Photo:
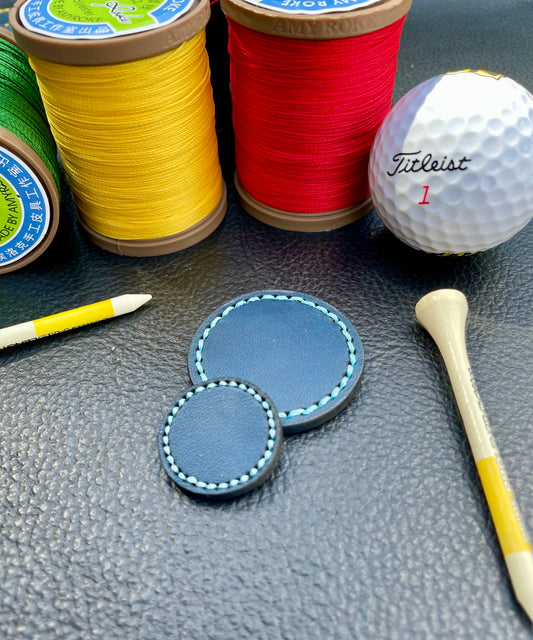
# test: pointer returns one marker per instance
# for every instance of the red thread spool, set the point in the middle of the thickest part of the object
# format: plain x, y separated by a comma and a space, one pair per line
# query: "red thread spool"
309, 93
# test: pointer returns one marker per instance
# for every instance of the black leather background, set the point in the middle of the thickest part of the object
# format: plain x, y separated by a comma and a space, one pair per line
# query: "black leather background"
373, 527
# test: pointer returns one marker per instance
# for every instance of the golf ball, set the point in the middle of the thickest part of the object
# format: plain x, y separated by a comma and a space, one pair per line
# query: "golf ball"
451, 167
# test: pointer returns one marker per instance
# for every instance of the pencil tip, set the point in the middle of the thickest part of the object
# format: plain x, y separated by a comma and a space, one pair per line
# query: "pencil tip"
520, 566
142, 298
129, 302
526, 601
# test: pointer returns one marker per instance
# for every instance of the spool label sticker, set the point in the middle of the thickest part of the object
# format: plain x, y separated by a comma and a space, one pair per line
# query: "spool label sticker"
99, 20
24, 209
312, 7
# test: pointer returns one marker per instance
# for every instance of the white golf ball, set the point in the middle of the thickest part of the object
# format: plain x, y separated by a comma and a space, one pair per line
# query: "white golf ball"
451, 167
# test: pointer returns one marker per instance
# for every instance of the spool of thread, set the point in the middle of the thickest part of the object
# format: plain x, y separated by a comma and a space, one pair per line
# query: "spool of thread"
128, 96
29, 169
309, 89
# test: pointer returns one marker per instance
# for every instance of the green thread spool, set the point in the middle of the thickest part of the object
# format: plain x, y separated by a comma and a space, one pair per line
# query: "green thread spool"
29, 168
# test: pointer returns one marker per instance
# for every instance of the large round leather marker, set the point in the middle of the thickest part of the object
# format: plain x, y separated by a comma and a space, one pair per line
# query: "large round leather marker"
300, 350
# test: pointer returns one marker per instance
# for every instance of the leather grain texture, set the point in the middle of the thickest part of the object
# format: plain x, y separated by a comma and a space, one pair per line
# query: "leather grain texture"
372, 527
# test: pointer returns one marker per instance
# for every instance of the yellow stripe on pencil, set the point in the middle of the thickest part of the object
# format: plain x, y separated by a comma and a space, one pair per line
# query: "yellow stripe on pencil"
71, 319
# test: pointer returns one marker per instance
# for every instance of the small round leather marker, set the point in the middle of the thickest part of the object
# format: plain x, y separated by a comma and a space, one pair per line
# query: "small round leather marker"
301, 351
221, 438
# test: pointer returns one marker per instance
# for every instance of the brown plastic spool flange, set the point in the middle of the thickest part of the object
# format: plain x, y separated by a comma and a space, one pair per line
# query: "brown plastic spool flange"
301, 221
19, 148
325, 26
167, 244
127, 48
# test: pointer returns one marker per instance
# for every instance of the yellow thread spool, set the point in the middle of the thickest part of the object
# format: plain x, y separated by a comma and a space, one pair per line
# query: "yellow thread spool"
133, 117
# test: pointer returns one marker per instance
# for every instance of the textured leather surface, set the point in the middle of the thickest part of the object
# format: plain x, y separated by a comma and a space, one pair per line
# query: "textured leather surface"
372, 527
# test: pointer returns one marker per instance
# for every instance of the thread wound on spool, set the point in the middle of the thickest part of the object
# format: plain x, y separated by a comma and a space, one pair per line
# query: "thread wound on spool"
29, 169
306, 110
137, 134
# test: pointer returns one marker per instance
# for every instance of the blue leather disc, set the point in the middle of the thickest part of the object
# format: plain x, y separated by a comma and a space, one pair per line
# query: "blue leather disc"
301, 351
220, 439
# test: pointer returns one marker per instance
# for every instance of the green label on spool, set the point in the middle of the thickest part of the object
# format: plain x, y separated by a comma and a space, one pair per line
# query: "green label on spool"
24, 208
101, 19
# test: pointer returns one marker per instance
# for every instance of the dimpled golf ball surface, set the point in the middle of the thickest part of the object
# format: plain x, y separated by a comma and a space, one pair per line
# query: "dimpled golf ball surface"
451, 168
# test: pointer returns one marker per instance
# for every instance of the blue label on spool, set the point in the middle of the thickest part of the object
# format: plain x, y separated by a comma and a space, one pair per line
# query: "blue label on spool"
312, 6
99, 20
24, 209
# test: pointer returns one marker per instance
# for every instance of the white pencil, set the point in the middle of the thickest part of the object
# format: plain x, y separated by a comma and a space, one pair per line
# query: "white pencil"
71, 319
443, 314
